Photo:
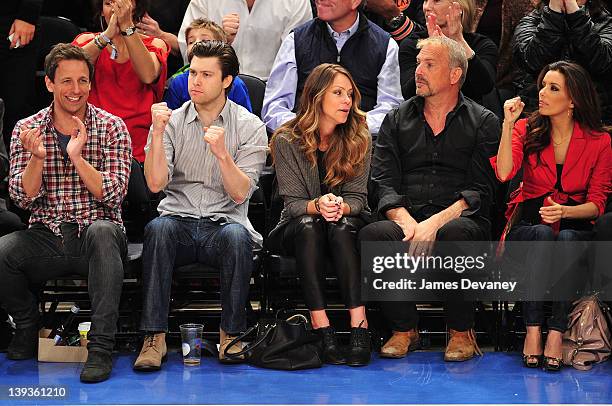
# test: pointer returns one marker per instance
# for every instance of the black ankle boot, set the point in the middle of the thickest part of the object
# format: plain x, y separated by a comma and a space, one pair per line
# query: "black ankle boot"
332, 353
24, 344
359, 350
97, 368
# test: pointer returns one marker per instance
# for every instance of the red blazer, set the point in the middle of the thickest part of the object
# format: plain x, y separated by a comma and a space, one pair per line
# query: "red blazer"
587, 171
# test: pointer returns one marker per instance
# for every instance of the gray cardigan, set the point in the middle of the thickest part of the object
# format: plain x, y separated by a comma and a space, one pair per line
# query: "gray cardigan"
298, 181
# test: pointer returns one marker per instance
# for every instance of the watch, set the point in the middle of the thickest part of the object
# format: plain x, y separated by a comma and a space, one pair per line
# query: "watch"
129, 31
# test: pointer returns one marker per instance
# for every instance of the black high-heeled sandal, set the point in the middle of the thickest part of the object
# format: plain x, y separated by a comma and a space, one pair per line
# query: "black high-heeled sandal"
553, 364
532, 360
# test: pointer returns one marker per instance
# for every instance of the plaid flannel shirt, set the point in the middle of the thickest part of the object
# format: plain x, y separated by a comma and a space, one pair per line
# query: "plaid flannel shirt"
63, 197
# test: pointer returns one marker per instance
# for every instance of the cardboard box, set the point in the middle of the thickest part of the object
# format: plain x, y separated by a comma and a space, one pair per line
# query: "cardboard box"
49, 352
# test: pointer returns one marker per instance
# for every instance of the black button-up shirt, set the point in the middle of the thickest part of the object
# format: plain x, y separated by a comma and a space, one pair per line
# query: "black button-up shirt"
424, 173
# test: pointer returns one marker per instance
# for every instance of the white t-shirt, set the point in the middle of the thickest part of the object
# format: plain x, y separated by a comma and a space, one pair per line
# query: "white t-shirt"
260, 33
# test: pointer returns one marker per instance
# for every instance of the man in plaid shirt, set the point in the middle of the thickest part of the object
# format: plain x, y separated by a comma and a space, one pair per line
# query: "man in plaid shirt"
70, 165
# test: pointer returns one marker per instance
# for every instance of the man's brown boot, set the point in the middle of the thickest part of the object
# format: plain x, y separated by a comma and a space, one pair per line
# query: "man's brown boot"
224, 340
461, 346
153, 353
400, 343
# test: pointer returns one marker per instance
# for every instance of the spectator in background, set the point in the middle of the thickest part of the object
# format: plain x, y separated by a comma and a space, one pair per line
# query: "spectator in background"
163, 20
497, 19
574, 30
18, 19
178, 93
255, 28
130, 67
9, 221
452, 19
398, 17
340, 34
322, 161
567, 163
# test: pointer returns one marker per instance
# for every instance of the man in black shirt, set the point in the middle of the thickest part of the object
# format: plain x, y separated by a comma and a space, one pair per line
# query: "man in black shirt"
434, 182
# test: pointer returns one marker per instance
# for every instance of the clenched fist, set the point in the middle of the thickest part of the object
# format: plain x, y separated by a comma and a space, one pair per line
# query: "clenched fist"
215, 137
160, 115
513, 109
231, 24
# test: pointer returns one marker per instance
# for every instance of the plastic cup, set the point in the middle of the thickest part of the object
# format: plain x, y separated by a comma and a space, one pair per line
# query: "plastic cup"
191, 337
84, 328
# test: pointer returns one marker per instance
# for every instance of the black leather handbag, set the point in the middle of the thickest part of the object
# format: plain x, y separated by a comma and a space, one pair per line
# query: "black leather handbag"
281, 344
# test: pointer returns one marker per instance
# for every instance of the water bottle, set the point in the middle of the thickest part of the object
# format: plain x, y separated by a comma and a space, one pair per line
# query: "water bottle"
59, 334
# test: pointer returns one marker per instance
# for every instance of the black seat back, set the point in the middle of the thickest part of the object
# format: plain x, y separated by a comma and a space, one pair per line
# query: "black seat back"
257, 89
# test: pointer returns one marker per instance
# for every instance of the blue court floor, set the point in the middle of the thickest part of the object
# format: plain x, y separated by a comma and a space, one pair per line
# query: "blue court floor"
422, 377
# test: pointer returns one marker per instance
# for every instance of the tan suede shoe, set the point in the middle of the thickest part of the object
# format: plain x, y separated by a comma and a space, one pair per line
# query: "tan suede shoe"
153, 353
461, 346
224, 340
400, 343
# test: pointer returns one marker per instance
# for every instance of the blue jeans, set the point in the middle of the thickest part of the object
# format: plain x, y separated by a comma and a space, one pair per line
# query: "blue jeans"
540, 257
173, 241
30, 257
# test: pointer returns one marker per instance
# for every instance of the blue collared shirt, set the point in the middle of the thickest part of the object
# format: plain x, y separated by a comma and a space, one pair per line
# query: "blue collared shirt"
281, 87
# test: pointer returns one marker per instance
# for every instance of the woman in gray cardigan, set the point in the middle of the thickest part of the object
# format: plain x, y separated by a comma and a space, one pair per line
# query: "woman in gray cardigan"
322, 160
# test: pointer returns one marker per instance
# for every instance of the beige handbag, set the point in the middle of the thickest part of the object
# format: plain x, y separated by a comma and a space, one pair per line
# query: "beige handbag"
587, 339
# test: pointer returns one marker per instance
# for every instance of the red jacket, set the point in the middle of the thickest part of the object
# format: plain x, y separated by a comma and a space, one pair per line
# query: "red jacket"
587, 171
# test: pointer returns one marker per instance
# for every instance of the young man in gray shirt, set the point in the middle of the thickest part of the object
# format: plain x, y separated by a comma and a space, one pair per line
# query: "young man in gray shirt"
206, 156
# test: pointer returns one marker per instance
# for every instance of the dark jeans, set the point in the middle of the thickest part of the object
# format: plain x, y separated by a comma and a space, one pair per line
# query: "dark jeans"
541, 257
403, 316
312, 241
603, 228
600, 272
30, 257
173, 241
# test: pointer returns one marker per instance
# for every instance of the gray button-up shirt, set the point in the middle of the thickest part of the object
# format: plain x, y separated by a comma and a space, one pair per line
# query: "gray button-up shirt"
195, 186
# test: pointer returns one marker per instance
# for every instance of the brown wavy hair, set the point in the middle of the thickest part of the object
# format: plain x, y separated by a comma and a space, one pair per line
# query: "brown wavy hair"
344, 158
582, 92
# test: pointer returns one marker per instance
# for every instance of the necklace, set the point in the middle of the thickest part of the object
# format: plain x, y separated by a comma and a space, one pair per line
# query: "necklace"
562, 141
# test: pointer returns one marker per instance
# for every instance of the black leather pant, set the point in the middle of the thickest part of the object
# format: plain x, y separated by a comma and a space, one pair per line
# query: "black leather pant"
313, 242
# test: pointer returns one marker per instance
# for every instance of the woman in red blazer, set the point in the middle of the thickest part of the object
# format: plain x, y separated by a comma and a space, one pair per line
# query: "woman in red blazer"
567, 163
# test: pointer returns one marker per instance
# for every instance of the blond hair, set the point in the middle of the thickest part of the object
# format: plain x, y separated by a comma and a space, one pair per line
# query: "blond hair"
468, 15
204, 23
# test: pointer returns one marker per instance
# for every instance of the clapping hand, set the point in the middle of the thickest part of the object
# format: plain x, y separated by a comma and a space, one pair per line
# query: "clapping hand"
454, 23
123, 9
78, 139
148, 26
32, 141
433, 29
